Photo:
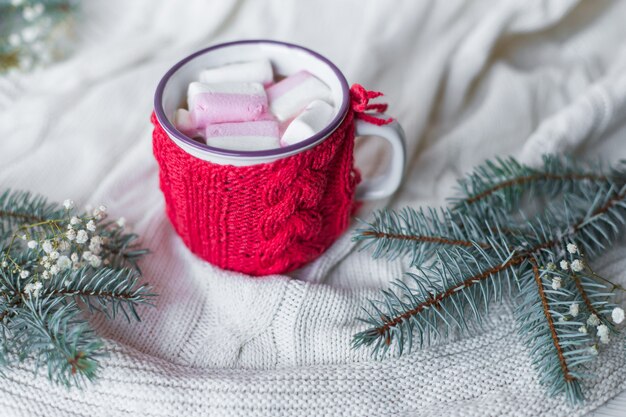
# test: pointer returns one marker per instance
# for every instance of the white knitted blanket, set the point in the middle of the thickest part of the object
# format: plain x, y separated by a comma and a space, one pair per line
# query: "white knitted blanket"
468, 80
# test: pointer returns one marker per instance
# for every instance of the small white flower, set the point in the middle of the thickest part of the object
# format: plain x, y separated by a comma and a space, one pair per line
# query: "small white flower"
551, 266
91, 226
87, 255
68, 204
603, 334
30, 33
121, 222
54, 269
577, 265
5, 264
47, 246
74, 220
64, 263
582, 329
54, 255
16, 3
14, 39
564, 265
31, 13
24, 274
81, 237
102, 208
574, 309
45, 275
617, 315
572, 248
24, 237
70, 234
74, 257
39, 8
32, 244
64, 245
593, 320
33, 288
556, 283
593, 350
95, 261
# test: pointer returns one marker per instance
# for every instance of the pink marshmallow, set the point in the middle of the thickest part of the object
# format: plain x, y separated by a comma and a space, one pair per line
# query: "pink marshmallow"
290, 95
244, 136
226, 102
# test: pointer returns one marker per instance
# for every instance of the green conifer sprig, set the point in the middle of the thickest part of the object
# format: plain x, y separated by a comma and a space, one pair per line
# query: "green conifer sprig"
494, 243
54, 260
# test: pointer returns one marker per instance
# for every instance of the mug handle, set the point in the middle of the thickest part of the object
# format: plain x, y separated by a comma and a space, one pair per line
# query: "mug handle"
386, 184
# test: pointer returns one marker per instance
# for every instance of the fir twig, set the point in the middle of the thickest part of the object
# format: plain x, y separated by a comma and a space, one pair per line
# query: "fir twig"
466, 257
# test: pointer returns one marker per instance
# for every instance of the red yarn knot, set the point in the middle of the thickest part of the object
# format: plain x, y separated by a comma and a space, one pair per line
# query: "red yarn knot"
360, 98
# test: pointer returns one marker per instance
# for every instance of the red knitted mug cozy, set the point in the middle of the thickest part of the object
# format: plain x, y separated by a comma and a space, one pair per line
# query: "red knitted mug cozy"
266, 218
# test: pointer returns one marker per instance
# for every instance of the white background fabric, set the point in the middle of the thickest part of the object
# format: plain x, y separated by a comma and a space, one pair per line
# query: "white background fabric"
469, 80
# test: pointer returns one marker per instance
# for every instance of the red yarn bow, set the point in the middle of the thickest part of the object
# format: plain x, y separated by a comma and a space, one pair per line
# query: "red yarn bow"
360, 98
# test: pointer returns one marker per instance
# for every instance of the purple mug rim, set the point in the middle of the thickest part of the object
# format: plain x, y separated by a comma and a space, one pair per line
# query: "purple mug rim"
287, 150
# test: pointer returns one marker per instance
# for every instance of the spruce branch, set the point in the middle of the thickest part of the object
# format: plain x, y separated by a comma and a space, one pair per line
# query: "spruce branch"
52, 261
492, 245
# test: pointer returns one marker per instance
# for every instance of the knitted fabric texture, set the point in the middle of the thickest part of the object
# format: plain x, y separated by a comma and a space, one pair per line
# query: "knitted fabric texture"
260, 219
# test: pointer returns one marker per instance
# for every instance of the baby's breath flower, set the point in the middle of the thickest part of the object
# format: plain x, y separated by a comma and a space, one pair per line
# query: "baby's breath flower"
54, 269
582, 329
32, 244
16, 3
24, 274
603, 334
91, 226
4, 264
95, 261
24, 237
564, 265
577, 265
47, 246
54, 255
45, 275
86, 255
68, 204
64, 245
574, 309
617, 315
70, 234
551, 266
33, 288
64, 263
593, 350
74, 220
81, 237
572, 248
556, 283
121, 222
74, 257
593, 320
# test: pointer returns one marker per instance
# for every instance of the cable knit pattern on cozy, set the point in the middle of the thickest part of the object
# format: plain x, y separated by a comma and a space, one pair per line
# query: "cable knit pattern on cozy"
265, 218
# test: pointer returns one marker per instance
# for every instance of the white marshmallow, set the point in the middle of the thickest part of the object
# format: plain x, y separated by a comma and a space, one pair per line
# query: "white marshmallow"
312, 119
184, 123
196, 88
259, 71
289, 96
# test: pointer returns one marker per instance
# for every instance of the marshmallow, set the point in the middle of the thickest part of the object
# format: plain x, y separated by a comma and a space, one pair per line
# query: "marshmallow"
259, 71
184, 123
289, 96
244, 136
312, 119
225, 102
